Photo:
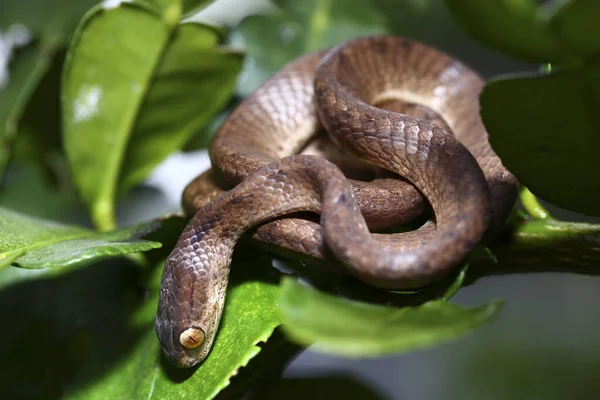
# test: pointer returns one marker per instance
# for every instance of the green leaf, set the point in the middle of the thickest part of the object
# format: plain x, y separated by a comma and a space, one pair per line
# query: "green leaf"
101, 98
122, 119
250, 318
352, 329
191, 85
48, 23
415, 19
190, 6
576, 25
172, 9
26, 71
546, 130
46, 244
10, 258
514, 27
300, 27
51, 21
38, 131
61, 320
25, 185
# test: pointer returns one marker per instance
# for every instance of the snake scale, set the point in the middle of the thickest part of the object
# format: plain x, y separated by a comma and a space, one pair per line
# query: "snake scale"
361, 93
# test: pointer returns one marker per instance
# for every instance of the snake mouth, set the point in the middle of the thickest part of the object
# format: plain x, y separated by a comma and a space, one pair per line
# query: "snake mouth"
191, 338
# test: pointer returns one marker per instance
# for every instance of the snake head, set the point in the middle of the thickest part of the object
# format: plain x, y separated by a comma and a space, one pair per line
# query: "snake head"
188, 311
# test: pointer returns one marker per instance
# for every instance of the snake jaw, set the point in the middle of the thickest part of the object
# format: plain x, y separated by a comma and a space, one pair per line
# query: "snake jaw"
189, 307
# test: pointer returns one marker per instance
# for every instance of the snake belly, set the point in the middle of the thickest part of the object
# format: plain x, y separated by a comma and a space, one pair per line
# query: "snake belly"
455, 170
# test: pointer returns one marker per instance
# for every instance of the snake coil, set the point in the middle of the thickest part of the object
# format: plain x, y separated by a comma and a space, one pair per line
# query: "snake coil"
362, 93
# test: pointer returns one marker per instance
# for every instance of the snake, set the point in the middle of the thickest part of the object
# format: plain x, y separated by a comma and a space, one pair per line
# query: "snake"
365, 94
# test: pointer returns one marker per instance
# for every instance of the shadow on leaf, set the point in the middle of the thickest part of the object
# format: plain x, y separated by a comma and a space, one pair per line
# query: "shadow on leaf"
71, 328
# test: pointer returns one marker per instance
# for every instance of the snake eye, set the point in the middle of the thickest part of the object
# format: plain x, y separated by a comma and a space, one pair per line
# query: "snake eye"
191, 338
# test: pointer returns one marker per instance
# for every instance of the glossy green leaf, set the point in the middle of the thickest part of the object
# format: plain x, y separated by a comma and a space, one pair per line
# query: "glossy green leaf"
546, 130
106, 76
352, 329
576, 26
130, 101
249, 319
514, 27
299, 27
193, 82
46, 244
10, 258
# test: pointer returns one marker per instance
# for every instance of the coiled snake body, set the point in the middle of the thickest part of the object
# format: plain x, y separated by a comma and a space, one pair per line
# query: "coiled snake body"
450, 163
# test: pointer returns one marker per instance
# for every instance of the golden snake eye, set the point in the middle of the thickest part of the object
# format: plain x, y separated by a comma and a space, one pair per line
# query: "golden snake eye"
191, 338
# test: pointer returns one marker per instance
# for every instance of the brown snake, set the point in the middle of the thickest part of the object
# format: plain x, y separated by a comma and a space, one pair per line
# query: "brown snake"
450, 163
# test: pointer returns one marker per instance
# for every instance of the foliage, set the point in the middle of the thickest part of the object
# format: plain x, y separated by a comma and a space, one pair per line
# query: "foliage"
100, 94
538, 123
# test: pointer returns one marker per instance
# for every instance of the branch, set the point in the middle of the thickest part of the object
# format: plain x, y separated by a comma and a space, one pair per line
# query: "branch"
541, 245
